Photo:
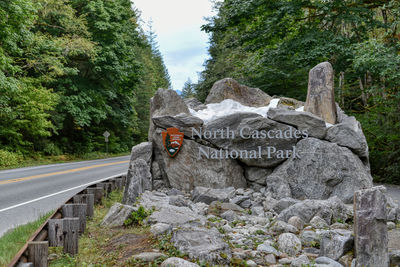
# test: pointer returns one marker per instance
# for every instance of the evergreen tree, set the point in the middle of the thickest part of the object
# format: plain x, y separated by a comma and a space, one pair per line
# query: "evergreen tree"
188, 89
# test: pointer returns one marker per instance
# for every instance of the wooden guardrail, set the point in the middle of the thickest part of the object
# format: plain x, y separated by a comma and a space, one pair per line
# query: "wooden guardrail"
63, 227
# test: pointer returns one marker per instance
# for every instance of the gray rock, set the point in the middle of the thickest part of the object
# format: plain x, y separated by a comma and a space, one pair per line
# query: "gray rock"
284, 203
246, 124
117, 215
229, 215
174, 216
165, 102
330, 210
187, 170
391, 225
340, 115
208, 195
280, 227
303, 121
327, 262
178, 262
394, 258
310, 239
174, 192
289, 244
257, 210
267, 248
296, 222
289, 103
324, 170
269, 203
154, 199
371, 236
142, 151
336, 243
300, 261
349, 134
321, 94
242, 201
257, 175
223, 206
139, 181
251, 263
194, 104
148, 256
179, 201
201, 243
184, 122
160, 229
270, 259
318, 223
230, 89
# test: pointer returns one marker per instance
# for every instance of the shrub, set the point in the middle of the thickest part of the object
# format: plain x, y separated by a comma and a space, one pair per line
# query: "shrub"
137, 217
8, 158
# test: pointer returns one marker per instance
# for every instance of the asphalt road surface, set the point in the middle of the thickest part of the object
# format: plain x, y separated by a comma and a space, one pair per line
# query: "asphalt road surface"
28, 193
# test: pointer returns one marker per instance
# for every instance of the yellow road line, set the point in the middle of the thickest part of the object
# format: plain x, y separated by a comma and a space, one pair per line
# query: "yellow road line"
61, 172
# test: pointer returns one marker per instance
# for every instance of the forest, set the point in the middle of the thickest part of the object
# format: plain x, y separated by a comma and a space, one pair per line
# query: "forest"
273, 44
70, 70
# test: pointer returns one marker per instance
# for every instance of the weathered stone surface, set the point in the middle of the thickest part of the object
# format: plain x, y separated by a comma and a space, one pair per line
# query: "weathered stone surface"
310, 238
324, 170
330, 210
335, 243
117, 215
201, 243
230, 89
178, 262
326, 262
179, 201
257, 175
318, 223
229, 215
186, 170
148, 256
300, 261
244, 125
141, 151
174, 216
296, 222
289, 244
139, 181
208, 195
321, 95
153, 199
394, 258
349, 133
280, 227
303, 121
267, 248
194, 104
160, 229
184, 122
165, 102
371, 236
289, 103
223, 206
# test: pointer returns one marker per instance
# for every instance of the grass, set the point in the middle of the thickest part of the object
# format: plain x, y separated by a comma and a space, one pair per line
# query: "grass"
14, 240
43, 160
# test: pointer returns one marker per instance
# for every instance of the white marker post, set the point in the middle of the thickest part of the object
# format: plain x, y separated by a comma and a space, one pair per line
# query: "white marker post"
106, 135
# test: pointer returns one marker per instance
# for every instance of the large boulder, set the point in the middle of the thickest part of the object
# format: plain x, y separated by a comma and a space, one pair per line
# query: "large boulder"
335, 243
370, 229
194, 104
202, 243
173, 215
289, 103
208, 195
117, 215
324, 169
321, 95
165, 102
184, 122
230, 89
289, 244
140, 181
304, 121
329, 209
246, 134
349, 133
188, 170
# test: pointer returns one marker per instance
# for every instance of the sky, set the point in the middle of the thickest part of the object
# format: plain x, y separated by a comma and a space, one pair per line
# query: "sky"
181, 42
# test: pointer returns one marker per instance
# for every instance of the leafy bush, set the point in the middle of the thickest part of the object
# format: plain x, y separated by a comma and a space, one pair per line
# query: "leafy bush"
137, 217
8, 158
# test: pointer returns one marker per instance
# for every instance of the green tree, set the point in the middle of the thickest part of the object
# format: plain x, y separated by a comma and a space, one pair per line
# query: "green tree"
188, 89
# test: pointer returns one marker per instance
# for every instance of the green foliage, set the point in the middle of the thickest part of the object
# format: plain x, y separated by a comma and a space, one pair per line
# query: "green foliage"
188, 89
8, 158
137, 217
69, 70
273, 44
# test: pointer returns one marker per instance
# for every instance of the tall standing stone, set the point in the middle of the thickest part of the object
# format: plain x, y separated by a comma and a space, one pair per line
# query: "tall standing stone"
139, 182
321, 94
371, 236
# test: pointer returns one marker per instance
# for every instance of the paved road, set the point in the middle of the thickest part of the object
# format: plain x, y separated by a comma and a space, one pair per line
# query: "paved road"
27, 193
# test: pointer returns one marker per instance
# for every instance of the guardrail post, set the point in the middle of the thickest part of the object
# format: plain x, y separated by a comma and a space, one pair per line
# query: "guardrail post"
76, 210
87, 199
123, 179
97, 192
55, 233
119, 183
71, 233
38, 252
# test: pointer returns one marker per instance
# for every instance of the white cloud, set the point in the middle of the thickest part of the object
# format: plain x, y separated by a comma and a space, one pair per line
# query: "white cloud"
177, 24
